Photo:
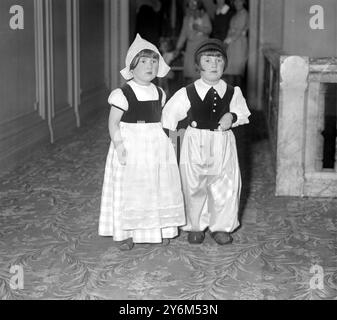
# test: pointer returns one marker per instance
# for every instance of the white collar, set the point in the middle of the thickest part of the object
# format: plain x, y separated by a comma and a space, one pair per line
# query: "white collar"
223, 10
148, 89
133, 82
202, 88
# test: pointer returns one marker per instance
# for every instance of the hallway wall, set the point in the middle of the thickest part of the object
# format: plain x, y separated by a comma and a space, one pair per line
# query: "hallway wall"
300, 39
57, 71
21, 126
92, 45
272, 12
284, 25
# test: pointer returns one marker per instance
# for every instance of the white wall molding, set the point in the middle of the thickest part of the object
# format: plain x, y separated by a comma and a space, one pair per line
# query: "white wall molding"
40, 104
294, 72
119, 40
124, 33
76, 60
70, 53
114, 44
107, 43
49, 66
254, 53
70, 98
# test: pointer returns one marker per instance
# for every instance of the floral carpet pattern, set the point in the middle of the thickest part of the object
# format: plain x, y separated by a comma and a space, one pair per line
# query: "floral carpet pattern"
49, 210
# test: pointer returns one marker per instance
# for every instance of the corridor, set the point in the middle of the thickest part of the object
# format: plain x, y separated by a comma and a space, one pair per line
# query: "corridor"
49, 210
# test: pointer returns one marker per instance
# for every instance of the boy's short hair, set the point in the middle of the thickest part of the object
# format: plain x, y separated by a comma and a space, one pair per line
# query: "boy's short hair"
210, 47
211, 53
144, 53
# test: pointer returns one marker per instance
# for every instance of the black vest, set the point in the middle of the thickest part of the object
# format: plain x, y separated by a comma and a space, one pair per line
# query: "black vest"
206, 114
221, 25
141, 111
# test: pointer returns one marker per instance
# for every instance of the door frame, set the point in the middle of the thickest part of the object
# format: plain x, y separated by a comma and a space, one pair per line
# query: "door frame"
117, 40
254, 57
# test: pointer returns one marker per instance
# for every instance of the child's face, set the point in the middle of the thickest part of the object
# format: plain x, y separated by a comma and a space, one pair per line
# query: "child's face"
238, 4
212, 68
146, 70
193, 4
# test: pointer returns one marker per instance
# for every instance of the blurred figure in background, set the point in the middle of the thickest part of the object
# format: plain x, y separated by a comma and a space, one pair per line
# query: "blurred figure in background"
237, 42
166, 48
148, 20
196, 27
223, 14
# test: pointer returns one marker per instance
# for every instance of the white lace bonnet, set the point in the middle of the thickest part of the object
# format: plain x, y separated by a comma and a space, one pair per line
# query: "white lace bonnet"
138, 45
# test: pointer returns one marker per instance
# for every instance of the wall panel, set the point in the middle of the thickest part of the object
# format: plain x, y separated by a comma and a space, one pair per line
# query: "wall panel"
17, 63
300, 39
61, 48
55, 72
91, 45
21, 127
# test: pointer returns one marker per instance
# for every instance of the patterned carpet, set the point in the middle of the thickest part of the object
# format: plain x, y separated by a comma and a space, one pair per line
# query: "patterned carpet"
49, 209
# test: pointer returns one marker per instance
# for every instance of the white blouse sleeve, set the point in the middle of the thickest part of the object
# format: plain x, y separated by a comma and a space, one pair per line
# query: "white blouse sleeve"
117, 99
163, 99
238, 106
175, 109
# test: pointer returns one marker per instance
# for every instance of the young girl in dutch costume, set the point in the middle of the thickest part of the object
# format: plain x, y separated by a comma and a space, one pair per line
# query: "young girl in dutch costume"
142, 200
208, 162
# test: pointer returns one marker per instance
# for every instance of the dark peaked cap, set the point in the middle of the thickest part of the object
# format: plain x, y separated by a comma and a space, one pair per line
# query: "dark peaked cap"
210, 45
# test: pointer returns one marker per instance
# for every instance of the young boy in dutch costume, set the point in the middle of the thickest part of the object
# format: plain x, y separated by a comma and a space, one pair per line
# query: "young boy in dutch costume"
209, 165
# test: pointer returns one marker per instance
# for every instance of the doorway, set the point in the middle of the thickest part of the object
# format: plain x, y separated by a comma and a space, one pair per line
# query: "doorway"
253, 6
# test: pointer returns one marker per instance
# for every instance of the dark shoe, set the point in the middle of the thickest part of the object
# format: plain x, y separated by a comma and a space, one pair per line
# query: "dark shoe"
126, 245
165, 242
196, 237
221, 237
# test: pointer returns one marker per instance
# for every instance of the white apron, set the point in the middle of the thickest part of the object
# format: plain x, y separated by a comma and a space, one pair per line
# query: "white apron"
142, 200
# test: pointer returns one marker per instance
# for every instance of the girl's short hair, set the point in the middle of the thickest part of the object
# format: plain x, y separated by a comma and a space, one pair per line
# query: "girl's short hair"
144, 53
212, 53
